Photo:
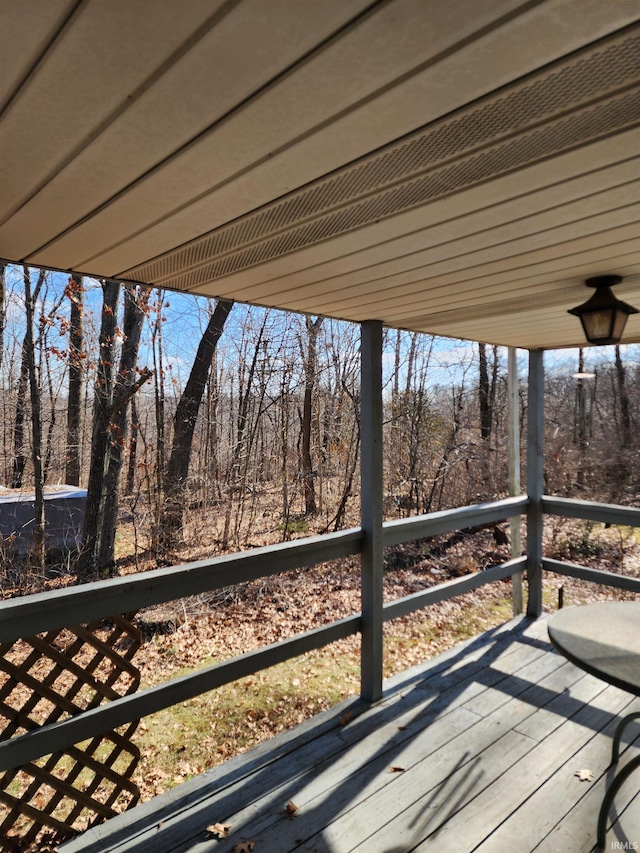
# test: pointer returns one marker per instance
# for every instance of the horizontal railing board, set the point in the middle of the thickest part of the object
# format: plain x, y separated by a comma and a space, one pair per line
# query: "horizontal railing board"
57, 736
574, 570
436, 523
449, 589
32, 614
591, 511
62, 608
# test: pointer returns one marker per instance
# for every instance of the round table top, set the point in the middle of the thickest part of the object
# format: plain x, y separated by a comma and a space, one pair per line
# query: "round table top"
603, 639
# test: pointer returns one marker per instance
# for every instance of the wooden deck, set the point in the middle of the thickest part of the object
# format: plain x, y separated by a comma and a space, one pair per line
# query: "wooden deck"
477, 750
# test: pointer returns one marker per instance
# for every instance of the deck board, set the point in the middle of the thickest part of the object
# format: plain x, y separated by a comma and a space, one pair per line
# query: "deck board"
557, 754
488, 737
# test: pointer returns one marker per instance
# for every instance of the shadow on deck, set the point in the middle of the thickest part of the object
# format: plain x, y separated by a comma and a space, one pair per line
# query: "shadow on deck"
476, 750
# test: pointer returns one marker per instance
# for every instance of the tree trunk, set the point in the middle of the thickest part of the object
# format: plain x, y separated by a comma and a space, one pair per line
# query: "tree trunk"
452, 442
183, 427
133, 449
75, 292
3, 310
159, 397
213, 400
494, 384
19, 438
19, 446
581, 417
51, 430
283, 435
347, 488
395, 392
623, 395
484, 394
126, 385
242, 446
87, 562
310, 367
36, 557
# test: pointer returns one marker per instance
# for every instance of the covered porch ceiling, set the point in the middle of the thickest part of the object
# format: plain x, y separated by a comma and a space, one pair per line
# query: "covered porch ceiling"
457, 168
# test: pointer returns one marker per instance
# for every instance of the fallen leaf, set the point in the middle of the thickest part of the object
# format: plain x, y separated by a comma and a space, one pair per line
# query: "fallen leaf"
345, 718
244, 847
396, 769
291, 809
220, 830
584, 775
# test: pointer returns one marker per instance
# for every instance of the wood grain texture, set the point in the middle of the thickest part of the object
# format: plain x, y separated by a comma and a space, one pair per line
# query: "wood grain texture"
484, 740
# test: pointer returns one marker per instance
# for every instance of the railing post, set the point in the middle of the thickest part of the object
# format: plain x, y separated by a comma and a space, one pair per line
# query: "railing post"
535, 480
514, 472
371, 478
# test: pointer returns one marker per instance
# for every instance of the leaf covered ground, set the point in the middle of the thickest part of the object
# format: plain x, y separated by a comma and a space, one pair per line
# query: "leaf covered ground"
182, 741
190, 737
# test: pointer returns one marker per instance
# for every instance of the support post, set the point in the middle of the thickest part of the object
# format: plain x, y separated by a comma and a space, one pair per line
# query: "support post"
514, 472
535, 480
371, 477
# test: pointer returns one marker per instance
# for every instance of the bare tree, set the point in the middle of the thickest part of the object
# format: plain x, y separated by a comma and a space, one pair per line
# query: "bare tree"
250, 411
487, 389
87, 562
582, 421
128, 382
159, 398
75, 293
310, 368
487, 385
36, 557
133, 448
19, 436
30, 370
437, 486
112, 395
242, 446
623, 398
3, 310
184, 425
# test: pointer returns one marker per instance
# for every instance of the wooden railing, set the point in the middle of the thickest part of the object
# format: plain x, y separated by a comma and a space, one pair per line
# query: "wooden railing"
623, 516
57, 609
52, 610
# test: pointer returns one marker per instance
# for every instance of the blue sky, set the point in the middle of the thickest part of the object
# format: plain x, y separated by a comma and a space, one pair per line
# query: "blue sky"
450, 361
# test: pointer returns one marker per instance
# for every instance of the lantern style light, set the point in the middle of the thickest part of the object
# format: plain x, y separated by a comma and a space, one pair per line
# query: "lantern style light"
603, 316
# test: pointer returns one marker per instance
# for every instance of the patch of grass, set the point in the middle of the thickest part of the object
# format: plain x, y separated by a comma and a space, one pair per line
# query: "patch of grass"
294, 525
181, 741
628, 536
549, 596
407, 645
474, 621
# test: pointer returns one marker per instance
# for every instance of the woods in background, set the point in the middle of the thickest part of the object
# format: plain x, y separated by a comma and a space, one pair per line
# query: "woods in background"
200, 421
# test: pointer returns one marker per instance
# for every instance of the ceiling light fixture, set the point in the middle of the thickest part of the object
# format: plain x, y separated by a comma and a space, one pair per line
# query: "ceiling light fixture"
603, 316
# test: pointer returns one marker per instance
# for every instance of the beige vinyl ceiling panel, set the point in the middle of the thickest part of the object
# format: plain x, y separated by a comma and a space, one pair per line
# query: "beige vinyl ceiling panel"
457, 168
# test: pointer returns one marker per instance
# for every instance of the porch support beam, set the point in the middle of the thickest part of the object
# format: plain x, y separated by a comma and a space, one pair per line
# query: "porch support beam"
371, 478
514, 472
535, 480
